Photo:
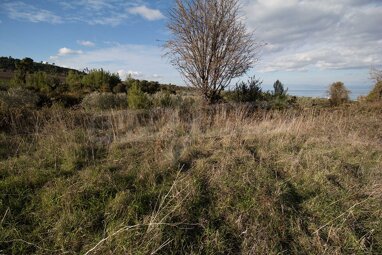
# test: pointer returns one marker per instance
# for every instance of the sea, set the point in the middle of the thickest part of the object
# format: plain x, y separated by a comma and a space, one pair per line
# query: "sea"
322, 91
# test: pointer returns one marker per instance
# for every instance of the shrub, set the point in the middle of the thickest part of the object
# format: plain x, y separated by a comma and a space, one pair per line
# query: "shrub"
166, 99
376, 93
18, 98
73, 80
249, 91
104, 101
100, 80
120, 88
67, 100
279, 90
4, 85
136, 98
338, 93
149, 87
43, 82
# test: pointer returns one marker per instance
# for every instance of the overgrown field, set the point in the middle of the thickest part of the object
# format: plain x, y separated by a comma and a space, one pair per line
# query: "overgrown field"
216, 180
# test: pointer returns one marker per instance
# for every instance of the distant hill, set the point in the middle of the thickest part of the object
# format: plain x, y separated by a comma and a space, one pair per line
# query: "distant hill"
8, 66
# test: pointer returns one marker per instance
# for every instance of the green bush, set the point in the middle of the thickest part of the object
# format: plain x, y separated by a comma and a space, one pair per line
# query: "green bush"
279, 90
43, 82
137, 99
249, 91
100, 80
149, 87
376, 93
338, 93
74, 81
104, 101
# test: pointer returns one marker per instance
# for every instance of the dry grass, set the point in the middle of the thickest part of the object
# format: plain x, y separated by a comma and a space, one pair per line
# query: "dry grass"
222, 180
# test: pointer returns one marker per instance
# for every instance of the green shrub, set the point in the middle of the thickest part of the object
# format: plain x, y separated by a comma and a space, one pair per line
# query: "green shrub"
376, 93
43, 82
149, 87
279, 90
104, 101
136, 98
100, 80
249, 91
74, 80
338, 93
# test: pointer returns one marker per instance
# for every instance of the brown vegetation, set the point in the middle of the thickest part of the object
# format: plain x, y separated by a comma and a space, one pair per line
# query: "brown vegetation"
217, 180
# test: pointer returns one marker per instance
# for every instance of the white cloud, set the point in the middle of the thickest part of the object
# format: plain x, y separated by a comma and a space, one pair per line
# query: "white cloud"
86, 43
141, 61
66, 51
96, 4
147, 13
157, 76
93, 12
324, 34
123, 74
25, 12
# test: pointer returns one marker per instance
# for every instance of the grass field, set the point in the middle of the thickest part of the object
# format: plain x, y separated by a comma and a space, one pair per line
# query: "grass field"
216, 180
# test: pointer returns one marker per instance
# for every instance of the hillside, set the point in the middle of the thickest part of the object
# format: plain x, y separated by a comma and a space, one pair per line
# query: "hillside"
8, 65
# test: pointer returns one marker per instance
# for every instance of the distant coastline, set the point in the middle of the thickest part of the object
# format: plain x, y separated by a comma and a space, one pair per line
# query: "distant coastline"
321, 91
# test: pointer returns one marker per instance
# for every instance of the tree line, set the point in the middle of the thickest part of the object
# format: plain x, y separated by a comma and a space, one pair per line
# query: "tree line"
12, 64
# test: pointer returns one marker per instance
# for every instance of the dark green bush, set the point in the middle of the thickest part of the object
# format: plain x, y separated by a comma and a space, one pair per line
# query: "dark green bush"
279, 90
43, 82
120, 88
74, 81
249, 91
149, 87
100, 80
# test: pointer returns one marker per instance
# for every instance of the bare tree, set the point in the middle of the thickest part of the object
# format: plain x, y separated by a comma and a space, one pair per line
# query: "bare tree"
376, 74
210, 44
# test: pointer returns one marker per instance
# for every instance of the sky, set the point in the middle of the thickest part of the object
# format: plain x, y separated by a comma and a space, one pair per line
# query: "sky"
308, 43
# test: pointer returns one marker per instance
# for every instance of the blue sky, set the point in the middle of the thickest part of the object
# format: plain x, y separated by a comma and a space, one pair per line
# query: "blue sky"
309, 43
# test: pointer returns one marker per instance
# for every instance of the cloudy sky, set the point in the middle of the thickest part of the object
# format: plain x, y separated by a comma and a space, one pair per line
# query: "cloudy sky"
308, 42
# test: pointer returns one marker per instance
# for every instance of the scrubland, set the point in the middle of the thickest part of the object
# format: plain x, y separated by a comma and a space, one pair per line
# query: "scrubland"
224, 179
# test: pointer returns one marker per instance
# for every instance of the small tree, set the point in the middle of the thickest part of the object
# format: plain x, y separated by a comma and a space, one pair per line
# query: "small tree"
210, 45
338, 93
74, 81
279, 90
136, 98
100, 80
23, 67
249, 91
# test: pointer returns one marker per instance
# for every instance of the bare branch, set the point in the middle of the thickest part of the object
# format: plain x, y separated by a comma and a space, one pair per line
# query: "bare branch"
376, 74
210, 45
